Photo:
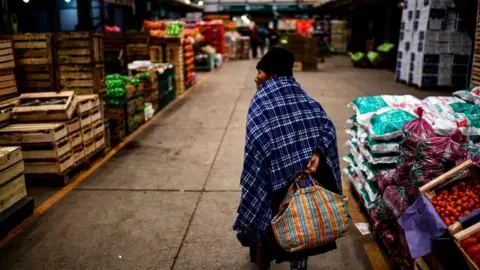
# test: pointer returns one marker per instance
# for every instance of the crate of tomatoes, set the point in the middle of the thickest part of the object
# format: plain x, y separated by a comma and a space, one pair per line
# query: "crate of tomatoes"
455, 194
468, 241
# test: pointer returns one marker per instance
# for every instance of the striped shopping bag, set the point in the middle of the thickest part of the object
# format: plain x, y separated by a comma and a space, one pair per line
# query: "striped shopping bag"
310, 216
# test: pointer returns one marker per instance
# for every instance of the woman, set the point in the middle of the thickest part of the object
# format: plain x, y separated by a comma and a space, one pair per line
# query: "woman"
284, 127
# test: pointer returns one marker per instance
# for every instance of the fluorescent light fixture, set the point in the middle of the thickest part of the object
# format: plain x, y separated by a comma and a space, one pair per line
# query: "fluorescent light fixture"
187, 1
26, 1
200, 3
67, 1
245, 19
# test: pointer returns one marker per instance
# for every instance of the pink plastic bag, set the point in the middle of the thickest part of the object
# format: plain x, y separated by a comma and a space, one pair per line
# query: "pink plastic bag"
396, 200
384, 178
416, 130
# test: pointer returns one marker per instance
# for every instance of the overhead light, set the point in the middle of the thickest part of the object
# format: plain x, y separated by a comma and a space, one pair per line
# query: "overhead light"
26, 1
200, 3
245, 19
187, 1
67, 1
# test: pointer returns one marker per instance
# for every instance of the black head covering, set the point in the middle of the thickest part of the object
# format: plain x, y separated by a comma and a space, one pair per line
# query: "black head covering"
278, 61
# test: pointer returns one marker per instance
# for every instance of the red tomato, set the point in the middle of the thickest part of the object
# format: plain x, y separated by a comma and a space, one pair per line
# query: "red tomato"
473, 251
468, 243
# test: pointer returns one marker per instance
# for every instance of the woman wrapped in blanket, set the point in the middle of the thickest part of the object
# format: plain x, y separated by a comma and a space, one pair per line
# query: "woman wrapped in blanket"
287, 132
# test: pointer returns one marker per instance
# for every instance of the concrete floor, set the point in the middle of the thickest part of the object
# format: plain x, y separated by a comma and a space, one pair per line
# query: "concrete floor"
168, 199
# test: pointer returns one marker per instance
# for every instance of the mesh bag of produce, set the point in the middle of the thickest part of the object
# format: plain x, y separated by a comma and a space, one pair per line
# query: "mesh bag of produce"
351, 121
396, 200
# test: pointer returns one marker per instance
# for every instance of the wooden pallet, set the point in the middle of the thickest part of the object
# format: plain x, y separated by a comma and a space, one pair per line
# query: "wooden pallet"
25, 134
82, 79
58, 166
33, 49
137, 38
6, 54
76, 139
25, 111
137, 52
79, 48
8, 85
35, 78
6, 108
15, 214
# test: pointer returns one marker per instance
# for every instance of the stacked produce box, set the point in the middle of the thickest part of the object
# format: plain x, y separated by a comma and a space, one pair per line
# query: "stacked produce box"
117, 112
34, 59
214, 34
339, 36
400, 143
434, 48
189, 61
8, 86
137, 46
243, 49
56, 132
475, 80
174, 55
14, 203
305, 50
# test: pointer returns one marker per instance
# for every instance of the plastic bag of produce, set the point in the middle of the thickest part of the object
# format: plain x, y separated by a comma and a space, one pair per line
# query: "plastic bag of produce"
365, 107
371, 190
376, 159
350, 160
404, 165
368, 170
351, 121
441, 104
383, 147
352, 132
416, 130
387, 125
395, 199
384, 178
471, 94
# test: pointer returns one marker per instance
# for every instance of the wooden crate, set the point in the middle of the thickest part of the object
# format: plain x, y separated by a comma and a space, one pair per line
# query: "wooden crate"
11, 163
117, 130
96, 115
33, 133
28, 109
137, 38
49, 166
6, 55
98, 128
113, 42
457, 174
53, 151
139, 104
462, 235
156, 54
139, 90
87, 134
6, 108
8, 85
35, 78
89, 148
78, 154
12, 192
87, 103
73, 125
76, 139
131, 107
82, 79
79, 48
137, 52
116, 113
99, 142
85, 120
33, 49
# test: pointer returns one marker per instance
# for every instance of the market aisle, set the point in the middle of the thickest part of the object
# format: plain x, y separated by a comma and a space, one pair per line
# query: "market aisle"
168, 199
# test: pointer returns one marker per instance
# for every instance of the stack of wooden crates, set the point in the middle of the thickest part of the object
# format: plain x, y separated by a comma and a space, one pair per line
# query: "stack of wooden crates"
14, 203
57, 133
8, 86
174, 55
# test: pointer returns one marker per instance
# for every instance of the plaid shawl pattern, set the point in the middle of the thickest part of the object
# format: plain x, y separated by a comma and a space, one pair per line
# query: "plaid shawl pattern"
284, 127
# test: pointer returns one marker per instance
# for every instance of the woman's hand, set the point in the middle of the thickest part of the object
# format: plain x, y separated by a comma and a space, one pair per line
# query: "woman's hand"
313, 163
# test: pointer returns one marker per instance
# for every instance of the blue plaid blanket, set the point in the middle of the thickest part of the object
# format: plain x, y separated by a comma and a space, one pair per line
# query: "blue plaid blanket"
284, 127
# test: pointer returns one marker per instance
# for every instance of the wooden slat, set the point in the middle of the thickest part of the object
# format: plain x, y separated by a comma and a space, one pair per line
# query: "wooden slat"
20, 134
31, 45
4, 78
12, 192
71, 52
76, 139
52, 167
31, 36
31, 53
32, 61
55, 150
7, 51
11, 172
9, 156
73, 35
7, 84
66, 76
5, 44
72, 43
8, 91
